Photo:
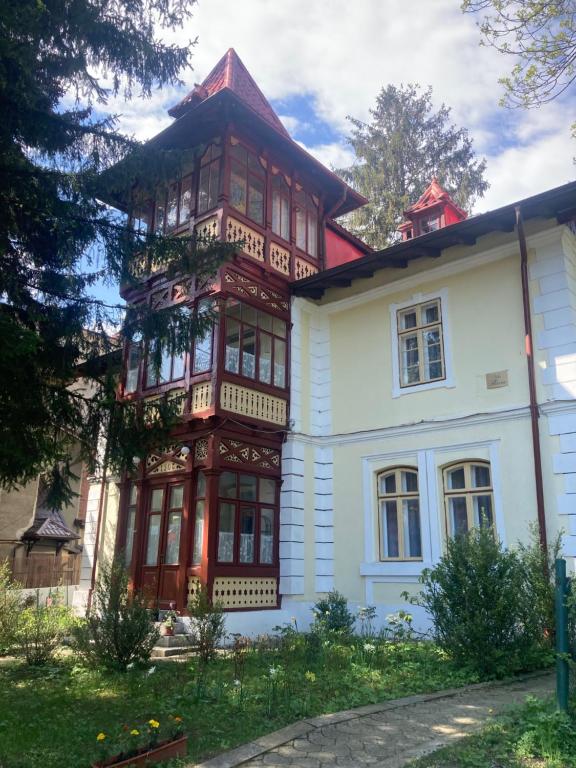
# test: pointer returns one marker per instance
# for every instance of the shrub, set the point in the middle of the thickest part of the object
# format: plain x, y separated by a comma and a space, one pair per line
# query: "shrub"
478, 599
207, 625
331, 614
41, 629
118, 629
539, 565
547, 735
10, 608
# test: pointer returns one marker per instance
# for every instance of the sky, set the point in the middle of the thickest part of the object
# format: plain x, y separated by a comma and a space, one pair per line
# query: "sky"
318, 61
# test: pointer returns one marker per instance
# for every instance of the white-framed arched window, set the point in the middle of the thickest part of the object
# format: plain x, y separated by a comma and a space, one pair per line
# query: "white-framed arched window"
468, 496
399, 514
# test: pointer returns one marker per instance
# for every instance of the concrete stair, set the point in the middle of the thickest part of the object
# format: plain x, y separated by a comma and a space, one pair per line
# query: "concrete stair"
177, 644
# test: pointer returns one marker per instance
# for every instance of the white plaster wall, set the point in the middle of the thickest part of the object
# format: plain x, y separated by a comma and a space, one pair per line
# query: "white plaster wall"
107, 535
553, 286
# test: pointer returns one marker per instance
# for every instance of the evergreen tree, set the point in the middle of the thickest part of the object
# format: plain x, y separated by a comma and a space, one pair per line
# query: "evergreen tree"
60, 158
405, 144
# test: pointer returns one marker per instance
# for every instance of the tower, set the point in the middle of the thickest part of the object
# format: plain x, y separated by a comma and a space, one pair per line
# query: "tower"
205, 508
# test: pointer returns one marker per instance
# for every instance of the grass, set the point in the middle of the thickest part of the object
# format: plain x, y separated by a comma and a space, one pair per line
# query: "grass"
532, 736
50, 716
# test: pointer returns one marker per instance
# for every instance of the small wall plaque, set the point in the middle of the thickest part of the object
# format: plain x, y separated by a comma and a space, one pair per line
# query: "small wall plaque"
496, 379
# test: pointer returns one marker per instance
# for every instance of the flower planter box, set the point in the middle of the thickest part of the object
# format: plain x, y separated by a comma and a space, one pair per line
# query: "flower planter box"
166, 631
166, 750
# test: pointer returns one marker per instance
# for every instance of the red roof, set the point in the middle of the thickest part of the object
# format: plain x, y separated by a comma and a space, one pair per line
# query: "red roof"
230, 73
432, 195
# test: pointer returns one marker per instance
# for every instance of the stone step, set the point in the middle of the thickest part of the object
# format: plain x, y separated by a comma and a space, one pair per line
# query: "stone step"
172, 641
163, 652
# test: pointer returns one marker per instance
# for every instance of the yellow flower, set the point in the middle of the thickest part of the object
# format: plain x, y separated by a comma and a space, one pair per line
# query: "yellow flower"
153, 723
310, 676
134, 732
101, 736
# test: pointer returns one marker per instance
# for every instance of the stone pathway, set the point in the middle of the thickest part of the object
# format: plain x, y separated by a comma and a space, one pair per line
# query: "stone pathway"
386, 735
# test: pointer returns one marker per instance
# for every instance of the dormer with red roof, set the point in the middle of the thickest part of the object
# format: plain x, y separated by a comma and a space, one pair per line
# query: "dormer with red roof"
433, 210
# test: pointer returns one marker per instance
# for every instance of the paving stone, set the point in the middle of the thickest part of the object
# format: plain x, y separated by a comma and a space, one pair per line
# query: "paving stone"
384, 735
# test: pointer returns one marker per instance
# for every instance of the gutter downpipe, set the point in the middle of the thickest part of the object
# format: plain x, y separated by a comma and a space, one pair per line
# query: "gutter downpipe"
534, 409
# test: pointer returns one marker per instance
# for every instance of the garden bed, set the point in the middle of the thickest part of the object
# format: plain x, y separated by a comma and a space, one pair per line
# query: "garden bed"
50, 717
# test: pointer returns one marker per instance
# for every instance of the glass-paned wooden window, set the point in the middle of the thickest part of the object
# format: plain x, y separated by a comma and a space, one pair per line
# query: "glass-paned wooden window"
173, 205
172, 366
420, 344
130, 524
306, 220
141, 219
226, 520
173, 538
256, 345
468, 496
134, 357
430, 224
247, 510
247, 183
202, 347
209, 179
280, 207
185, 201
199, 518
399, 514
266, 535
160, 212
174, 525
154, 526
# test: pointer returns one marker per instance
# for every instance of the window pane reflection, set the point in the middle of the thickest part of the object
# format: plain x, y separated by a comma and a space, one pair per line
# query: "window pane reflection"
173, 538
153, 540
247, 530
226, 533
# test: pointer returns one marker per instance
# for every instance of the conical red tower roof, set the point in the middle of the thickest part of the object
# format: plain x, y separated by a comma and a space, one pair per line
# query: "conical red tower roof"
230, 73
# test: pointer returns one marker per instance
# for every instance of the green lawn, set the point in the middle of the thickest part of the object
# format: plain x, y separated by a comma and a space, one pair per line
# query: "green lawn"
50, 717
533, 736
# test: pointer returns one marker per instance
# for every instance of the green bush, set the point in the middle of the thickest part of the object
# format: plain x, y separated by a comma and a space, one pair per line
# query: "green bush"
41, 629
10, 608
118, 629
332, 615
546, 735
483, 607
539, 566
207, 625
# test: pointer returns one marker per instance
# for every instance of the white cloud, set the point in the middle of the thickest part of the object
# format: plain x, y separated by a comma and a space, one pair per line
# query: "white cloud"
339, 54
291, 123
522, 171
334, 155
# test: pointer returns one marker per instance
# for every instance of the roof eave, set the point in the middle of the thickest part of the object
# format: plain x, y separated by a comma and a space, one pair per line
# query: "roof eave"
351, 200
559, 203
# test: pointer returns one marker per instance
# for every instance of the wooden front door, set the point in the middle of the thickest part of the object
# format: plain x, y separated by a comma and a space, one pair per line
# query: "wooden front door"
162, 544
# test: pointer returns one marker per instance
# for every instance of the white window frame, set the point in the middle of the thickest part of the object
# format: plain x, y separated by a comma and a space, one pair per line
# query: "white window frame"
398, 497
448, 381
392, 570
431, 462
468, 493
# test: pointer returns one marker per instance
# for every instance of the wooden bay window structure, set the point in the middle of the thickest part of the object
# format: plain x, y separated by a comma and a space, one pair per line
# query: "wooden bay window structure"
205, 508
